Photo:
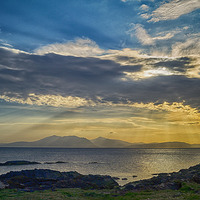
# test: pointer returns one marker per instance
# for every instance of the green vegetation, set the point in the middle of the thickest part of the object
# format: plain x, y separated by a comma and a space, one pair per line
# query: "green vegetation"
188, 191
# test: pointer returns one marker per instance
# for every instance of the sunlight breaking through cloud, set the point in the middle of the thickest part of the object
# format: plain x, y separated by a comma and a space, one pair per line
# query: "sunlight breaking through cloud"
148, 73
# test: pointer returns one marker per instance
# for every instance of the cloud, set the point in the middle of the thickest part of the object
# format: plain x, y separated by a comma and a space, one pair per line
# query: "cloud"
149, 72
143, 36
80, 47
165, 66
166, 106
145, 16
165, 37
56, 74
177, 112
13, 50
88, 78
174, 9
123, 56
190, 47
144, 7
194, 70
48, 100
5, 44
146, 39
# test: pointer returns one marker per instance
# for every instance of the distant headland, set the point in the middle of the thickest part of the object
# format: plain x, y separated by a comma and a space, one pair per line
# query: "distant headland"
100, 142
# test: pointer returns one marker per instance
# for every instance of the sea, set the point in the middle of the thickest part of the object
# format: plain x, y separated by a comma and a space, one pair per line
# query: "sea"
128, 164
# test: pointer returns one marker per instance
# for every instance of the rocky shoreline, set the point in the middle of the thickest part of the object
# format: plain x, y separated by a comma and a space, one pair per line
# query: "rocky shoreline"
165, 181
43, 179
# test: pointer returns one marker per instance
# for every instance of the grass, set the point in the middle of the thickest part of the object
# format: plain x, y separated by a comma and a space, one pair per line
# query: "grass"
189, 191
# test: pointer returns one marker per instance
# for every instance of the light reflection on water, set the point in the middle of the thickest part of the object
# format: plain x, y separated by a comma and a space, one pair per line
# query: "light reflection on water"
122, 163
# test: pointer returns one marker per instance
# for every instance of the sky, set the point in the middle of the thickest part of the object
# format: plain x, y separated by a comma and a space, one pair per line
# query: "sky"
120, 69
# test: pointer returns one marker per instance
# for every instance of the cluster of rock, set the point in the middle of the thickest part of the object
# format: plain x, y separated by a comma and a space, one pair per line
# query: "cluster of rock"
40, 179
166, 180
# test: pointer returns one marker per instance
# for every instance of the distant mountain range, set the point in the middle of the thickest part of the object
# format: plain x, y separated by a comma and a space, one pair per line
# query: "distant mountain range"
100, 142
110, 143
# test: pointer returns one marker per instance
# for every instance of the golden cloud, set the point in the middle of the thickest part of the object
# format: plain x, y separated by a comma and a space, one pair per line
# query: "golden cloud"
49, 100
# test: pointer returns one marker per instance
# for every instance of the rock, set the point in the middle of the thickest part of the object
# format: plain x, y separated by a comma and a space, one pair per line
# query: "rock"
124, 179
2, 185
196, 178
99, 182
163, 174
134, 176
116, 178
18, 162
58, 162
167, 180
88, 182
34, 174
42, 179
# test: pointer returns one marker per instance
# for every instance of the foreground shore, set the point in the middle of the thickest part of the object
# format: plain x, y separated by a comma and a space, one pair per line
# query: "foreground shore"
187, 192
50, 184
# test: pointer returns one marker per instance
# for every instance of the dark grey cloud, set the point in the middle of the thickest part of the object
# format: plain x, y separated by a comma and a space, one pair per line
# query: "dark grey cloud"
179, 65
51, 74
92, 77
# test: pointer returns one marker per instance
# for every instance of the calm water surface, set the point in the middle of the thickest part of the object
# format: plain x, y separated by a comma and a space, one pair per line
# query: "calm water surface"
123, 163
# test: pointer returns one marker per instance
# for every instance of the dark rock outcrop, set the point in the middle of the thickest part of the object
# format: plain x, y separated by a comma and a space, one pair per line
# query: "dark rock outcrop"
40, 179
167, 180
18, 162
25, 162
58, 162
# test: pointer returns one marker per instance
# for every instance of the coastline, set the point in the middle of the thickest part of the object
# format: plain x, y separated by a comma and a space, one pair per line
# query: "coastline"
24, 178
122, 163
40, 181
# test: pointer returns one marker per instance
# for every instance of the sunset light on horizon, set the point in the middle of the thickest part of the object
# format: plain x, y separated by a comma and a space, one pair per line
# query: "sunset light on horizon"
119, 69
